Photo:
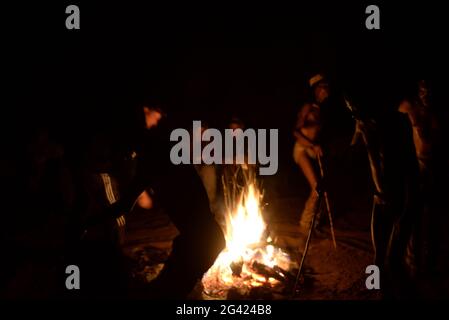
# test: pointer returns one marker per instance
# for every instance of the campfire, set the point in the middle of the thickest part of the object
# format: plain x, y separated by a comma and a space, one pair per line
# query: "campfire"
250, 259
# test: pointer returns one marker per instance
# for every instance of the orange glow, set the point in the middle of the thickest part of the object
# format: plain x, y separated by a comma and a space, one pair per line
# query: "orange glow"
246, 243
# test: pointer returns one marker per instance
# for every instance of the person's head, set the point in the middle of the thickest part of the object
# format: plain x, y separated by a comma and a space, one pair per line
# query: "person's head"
236, 123
414, 95
153, 116
405, 106
320, 88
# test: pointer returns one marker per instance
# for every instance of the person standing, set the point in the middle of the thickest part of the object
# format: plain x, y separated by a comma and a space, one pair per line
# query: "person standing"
308, 148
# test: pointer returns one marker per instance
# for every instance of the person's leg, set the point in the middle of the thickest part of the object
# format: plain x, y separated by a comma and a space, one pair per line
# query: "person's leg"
310, 208
381, 226
303, 158
304, 161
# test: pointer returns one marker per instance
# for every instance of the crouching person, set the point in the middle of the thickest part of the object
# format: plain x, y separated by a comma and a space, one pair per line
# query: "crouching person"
179, 191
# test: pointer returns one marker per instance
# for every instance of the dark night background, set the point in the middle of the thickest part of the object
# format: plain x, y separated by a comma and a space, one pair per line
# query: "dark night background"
207, 62
210, 62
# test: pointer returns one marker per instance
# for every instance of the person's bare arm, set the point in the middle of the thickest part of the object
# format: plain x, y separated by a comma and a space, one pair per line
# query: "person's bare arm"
302, 115
302, 139
300, 123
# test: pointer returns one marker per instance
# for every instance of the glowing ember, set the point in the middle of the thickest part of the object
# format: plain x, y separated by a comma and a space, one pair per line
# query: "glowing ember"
249, 259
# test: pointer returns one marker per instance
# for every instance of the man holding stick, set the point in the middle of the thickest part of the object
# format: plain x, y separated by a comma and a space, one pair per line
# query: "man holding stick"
308, 152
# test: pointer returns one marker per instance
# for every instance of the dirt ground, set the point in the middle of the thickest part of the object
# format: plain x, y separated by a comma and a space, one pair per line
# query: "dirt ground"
329, 273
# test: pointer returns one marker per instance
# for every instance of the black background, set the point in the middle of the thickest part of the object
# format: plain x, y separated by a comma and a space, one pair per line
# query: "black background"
213, 58
208, 61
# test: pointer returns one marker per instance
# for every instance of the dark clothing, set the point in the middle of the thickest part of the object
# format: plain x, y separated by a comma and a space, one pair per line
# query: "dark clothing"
337, 127
392, 226
179, 191
94, 247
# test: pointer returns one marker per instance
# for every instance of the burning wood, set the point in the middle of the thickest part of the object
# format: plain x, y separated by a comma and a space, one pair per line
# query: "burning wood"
269, 273
249, 260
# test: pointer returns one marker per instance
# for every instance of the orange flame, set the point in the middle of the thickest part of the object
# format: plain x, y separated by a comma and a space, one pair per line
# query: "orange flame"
246, 243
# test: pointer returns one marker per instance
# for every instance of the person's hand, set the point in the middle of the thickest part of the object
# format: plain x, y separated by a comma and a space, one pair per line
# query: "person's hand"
317, 149
145, 201
405, 107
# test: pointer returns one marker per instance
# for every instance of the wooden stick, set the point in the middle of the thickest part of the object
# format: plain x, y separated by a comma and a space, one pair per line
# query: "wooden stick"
326, 199
306, 247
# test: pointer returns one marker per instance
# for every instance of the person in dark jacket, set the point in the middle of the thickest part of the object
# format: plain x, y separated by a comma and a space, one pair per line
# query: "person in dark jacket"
180, 192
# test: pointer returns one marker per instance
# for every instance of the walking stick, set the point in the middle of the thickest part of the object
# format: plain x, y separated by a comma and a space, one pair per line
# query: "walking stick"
312, 223
306, 247
326, 199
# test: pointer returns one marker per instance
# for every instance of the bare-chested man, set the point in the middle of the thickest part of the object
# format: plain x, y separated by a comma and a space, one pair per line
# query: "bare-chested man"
307, 147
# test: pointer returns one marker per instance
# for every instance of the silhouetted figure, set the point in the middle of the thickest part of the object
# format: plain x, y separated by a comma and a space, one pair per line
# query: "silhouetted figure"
321, 134
179, 191
423, 244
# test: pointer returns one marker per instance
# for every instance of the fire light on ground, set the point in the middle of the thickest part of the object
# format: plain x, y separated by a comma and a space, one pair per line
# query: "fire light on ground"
250, 259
